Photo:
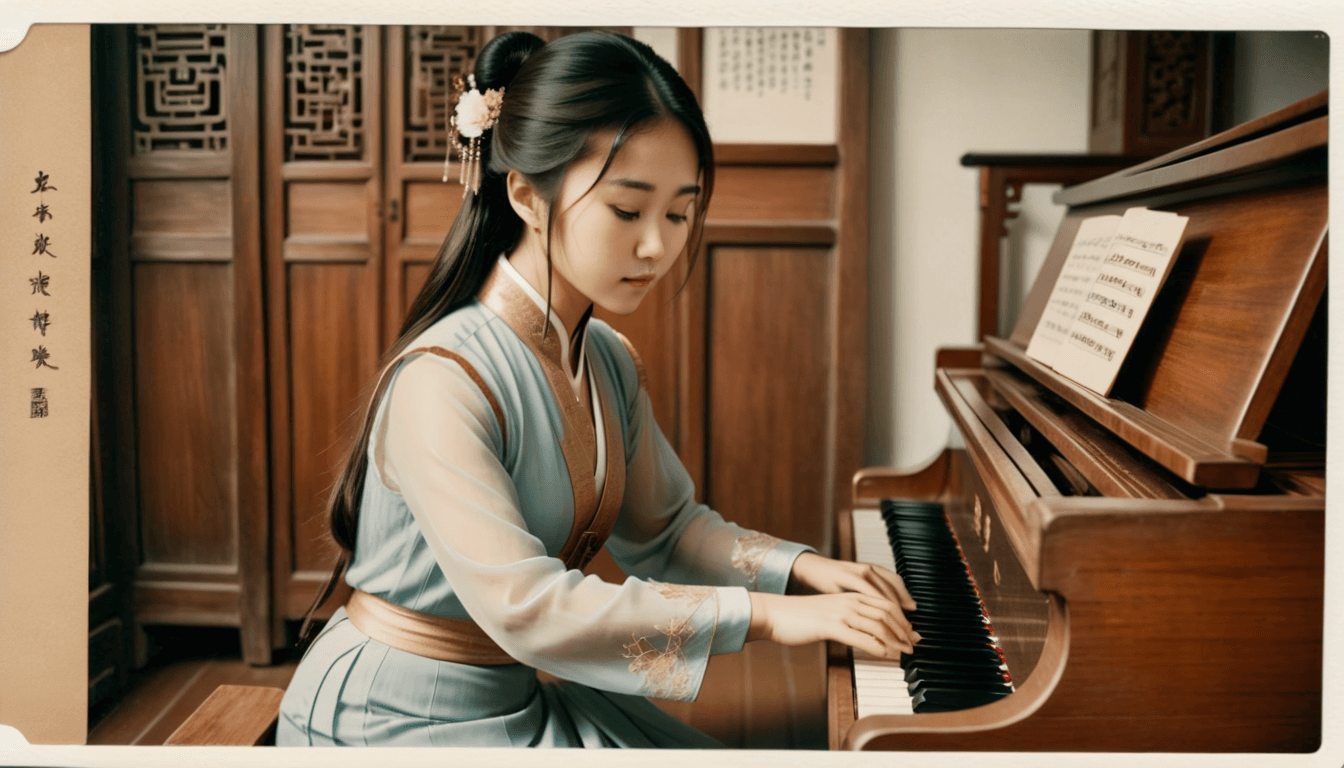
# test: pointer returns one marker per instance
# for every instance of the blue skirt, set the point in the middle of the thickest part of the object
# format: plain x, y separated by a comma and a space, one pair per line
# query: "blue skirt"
352, 690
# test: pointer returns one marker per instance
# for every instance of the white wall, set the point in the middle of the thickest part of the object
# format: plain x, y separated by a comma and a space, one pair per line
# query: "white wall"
938, 94
1275, 69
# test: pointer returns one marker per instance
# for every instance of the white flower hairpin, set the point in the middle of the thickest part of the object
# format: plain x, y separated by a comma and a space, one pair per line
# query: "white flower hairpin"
475, 114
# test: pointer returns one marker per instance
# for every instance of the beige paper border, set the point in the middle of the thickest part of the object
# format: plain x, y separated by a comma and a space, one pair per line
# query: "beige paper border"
44, 462
1117, 14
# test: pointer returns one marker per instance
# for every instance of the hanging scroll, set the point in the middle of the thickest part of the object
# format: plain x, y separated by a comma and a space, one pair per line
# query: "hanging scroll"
771, 85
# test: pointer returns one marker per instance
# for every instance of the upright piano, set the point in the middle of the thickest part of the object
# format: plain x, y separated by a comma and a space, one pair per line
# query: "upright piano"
1142, 571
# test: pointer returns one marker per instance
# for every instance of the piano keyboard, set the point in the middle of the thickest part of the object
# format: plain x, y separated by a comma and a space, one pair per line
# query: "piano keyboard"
957, 664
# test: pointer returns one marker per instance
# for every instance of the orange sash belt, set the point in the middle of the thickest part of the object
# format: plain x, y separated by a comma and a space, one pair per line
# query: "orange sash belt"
435, 637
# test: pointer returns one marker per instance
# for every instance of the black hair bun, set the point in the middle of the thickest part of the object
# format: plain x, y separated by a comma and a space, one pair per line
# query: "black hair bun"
502, 57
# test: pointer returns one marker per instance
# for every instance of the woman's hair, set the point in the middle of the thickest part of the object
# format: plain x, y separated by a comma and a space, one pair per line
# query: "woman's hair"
557, 97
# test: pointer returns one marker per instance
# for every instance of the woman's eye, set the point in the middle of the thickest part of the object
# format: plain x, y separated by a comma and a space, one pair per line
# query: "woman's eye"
625, 215
677, 217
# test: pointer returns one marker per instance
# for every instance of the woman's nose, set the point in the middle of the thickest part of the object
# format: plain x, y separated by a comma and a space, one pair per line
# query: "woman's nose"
650, 245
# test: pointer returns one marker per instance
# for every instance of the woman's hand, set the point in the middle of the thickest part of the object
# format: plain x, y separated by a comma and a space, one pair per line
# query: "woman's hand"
814, 573
872, 624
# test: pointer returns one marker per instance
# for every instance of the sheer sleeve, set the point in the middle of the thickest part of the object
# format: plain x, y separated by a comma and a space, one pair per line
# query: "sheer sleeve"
440, 448
664, 533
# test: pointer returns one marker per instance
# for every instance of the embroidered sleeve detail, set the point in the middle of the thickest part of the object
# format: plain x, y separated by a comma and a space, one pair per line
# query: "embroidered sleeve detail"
749, 553
667, 674
687, 595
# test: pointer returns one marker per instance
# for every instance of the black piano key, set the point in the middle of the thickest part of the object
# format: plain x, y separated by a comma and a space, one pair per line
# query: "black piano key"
957, 663
950, 620
952, 636
968, 685
928, 675
943, 641
945, 700
985, 655
952, 668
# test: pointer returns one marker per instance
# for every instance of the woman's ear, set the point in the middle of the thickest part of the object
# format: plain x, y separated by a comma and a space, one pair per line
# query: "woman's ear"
526, 201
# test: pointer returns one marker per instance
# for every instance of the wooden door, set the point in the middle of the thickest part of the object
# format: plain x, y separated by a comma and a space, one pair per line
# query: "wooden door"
181, 366
322, 205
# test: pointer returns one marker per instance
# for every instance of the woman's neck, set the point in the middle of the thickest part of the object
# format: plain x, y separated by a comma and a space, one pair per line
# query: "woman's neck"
566, 301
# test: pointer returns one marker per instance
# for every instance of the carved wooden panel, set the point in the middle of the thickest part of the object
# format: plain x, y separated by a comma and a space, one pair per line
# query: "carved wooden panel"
324, 92
1156, 91
434, 54
181, 93
1171, 66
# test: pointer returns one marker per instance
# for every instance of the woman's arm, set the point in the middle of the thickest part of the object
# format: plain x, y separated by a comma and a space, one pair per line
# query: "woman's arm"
439, 447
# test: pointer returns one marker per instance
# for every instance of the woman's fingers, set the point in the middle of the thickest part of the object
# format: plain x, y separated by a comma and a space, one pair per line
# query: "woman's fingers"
886, 613
897, 585
890, 609
876, 581
863, 641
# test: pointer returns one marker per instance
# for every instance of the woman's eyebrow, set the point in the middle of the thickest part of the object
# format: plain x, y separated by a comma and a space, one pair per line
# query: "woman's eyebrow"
689, 189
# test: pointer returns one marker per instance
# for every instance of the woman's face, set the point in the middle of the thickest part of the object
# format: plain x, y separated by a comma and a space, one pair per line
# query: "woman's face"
614, 243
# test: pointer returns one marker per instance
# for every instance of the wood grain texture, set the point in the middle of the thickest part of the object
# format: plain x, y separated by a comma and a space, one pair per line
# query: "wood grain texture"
333, 353
773, 193
253, 511
187, 449
326, 208
181, 206
233, 715
772, 334
272, 204
849, 291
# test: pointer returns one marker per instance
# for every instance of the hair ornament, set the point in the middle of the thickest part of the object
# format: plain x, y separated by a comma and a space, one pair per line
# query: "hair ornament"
475, 114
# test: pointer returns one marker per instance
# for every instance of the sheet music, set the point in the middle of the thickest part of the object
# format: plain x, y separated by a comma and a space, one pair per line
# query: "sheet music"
1136, 263
1075, 279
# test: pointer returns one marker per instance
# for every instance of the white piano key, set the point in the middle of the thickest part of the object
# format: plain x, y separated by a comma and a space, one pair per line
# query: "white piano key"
879, 684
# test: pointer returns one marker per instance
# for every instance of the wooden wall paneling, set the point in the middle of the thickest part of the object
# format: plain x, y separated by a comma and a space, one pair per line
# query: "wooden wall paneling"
692, 381
252, 471
193, 287
272, 88
849, 369
324, 267
771, 325
769, 193
184, 332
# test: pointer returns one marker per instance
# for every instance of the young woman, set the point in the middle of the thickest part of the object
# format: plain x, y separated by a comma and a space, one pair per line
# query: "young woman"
511, 437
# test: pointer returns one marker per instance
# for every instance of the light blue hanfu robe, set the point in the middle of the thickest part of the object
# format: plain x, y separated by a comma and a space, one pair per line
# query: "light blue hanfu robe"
480, 455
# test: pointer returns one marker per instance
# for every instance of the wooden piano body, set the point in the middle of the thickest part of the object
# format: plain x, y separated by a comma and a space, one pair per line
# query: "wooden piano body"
1152, 561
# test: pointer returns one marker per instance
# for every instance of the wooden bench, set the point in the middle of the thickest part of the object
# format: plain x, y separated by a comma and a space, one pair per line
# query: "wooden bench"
232, 716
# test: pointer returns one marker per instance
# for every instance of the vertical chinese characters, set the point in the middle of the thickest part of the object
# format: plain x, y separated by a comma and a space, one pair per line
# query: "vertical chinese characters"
41, 318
